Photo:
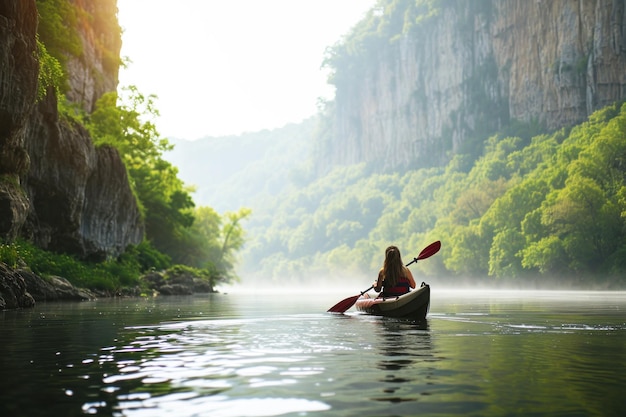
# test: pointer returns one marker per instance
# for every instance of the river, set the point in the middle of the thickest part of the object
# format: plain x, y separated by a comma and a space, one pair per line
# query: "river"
480, 353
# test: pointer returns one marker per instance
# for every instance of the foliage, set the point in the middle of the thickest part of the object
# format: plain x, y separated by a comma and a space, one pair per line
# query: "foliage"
177, 270
213, 243
127, 124
146, 257
233, 237
549, 205
50, 73
370, 39
173, 236
108, 276
58, 28
178, 232
165, 201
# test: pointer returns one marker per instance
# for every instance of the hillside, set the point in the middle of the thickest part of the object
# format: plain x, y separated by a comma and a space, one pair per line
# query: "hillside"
499, 161
235, 171
420, 81
543, 210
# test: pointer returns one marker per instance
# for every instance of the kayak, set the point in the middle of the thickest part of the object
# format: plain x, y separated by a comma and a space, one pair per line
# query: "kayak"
413, 305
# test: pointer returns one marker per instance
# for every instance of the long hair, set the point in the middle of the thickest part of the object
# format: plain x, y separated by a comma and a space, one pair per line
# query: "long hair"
393, 268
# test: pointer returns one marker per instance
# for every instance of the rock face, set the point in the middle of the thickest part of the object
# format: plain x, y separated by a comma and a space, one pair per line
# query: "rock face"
18, 88
473, 68
81, 202
56, 188
13, 291
95, 71
21, 288
53, 289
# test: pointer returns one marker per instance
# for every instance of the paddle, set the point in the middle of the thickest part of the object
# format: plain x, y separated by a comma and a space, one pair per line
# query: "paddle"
345, 304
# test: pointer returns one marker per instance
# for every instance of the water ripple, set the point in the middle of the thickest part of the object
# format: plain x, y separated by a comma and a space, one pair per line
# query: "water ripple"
205, 360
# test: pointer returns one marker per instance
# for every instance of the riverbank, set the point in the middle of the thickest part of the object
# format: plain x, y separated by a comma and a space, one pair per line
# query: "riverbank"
21, 288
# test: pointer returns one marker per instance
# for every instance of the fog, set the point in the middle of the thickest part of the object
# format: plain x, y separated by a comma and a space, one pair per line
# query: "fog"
354, 284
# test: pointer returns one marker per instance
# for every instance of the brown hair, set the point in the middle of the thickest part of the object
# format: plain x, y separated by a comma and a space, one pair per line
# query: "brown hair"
393, 268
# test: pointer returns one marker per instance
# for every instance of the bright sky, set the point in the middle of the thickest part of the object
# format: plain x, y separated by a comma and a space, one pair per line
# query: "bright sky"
223, 67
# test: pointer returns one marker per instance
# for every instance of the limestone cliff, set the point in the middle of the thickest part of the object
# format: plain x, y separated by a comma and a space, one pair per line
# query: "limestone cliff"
95, 70
468, 69
18, 88
56, 188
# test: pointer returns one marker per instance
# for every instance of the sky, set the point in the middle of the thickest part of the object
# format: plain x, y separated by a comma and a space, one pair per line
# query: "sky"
232, 66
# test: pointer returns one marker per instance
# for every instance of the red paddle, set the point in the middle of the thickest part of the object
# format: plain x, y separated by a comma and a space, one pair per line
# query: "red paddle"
345, 304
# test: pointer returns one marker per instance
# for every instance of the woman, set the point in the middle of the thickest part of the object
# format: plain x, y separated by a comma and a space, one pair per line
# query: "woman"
394, 278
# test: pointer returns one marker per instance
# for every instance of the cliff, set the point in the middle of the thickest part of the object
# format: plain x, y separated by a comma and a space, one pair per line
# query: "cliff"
94, 71
444, 77
56, 188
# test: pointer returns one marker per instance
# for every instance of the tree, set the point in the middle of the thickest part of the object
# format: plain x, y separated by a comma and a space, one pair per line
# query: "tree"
547, 255
588, 222
504, 255
163, 198
233, 238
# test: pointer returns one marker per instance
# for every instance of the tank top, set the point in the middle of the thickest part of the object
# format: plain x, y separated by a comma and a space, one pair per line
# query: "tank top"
402, 287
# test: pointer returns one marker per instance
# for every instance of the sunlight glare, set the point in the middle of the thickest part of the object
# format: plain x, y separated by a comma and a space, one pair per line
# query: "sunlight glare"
221, 68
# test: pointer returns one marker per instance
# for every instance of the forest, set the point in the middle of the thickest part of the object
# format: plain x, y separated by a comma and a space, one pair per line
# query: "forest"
520, 205
533, 208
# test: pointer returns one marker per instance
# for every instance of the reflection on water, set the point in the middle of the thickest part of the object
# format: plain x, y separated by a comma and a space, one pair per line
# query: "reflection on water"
245, 355
405, 349
208, 364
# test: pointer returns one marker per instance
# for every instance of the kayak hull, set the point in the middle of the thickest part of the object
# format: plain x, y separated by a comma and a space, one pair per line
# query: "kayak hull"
413, 305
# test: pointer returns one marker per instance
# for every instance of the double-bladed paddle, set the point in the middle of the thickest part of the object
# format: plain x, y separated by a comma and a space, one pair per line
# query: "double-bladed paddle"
345, 304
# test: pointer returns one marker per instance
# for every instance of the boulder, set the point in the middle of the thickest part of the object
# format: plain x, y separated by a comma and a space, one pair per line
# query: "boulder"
13, 291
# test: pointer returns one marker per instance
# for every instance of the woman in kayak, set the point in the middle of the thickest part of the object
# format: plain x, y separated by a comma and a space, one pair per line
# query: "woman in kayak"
394, 278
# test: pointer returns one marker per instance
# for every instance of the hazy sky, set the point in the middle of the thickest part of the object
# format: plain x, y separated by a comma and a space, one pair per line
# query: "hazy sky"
232, 66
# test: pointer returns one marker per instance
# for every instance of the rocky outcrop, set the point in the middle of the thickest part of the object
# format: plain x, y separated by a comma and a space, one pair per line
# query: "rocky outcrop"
21, 288
56, 188
18, 88
13, 292
53, 288
472, 68
81, 201
18, 75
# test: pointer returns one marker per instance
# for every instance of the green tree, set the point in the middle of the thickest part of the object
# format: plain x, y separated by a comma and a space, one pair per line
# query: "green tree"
50, 73
546, 255
504, 255
163, 198
232, 235
588, 223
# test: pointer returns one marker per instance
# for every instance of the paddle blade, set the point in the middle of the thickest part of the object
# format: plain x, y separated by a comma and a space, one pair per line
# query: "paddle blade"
430, 250
427, 252
344, 305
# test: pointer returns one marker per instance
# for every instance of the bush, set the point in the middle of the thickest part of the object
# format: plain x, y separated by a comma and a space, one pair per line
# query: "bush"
110, 275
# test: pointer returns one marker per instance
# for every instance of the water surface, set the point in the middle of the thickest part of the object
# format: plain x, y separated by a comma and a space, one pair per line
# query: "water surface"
478, 353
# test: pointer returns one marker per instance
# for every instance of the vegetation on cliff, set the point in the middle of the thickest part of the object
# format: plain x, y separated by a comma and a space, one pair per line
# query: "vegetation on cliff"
58, 29
523, 204
531, 206
189, 235
365, 45
179, 237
